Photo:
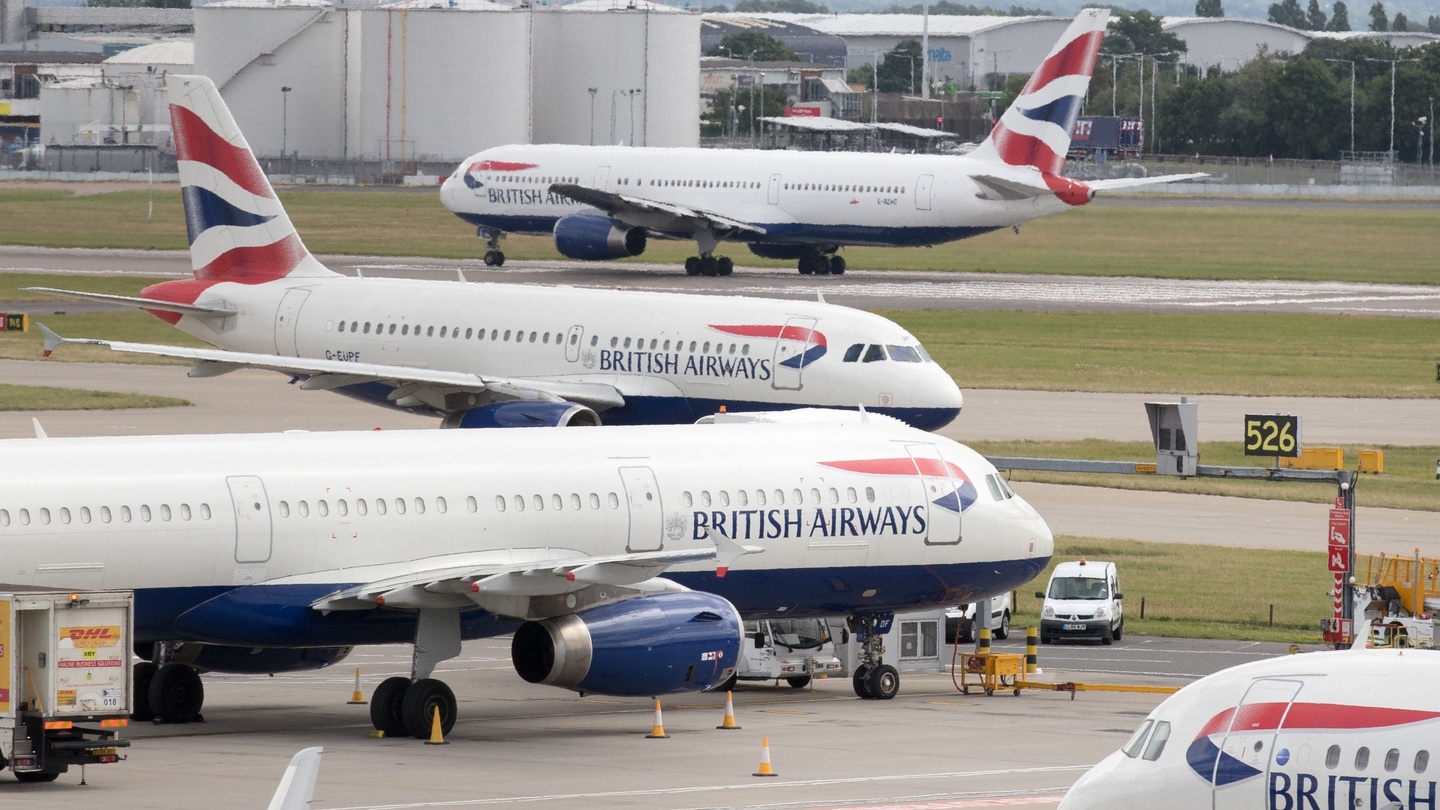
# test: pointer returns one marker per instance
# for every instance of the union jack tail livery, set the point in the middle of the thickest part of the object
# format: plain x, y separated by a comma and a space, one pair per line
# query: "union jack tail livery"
1035, 131
237, 227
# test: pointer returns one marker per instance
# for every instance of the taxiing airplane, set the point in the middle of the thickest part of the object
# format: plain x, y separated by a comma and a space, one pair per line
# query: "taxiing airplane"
276, 552
1347, 730
606, 202
487, 355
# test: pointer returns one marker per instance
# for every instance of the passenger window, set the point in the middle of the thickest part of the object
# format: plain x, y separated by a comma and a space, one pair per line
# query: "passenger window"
379, 506
557, 502
367, 327
499, 503
687, 500
471, 504
1362, 758
519, 503
104, 514
4, 517
1133, 746
1332, 756
869, 494
742, 498
759, 497
594, 501
322, 507
903, 354
164, 513
204, 511
1422, 761
443, 330
342, 508
539, 503
779, 497
1392, 759
429, 331
834, 495
419, 506
853, 353
399, 506
705, 497
184, 511
815, 496
850, 495
724, 497
84, 515
575, 500
874, 353
302, 507
1156, 746
45, 514
469, 330
144, 513
614, 501
65, 514
361, 507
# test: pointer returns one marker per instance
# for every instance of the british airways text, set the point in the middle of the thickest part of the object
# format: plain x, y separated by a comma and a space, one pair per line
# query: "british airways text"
1306, 792
528, 196
847, 521
689, 365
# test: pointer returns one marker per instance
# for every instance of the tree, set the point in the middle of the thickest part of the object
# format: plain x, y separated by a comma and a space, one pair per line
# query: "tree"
1433, 24
1287, 12
1400, 23
901, 68
1140, 33
1339, 17
1305, 108
1209, 8
1378, 19
726, 113
1314, 17
754, 46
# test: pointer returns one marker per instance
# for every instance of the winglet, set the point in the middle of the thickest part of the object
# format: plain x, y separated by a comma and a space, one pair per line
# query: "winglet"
727, 551
39, 431
52, 340
297, 786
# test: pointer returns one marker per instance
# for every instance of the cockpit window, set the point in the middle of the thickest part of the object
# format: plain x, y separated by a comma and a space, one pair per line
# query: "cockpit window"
924, 355
874, 353
994, 484
1132, 747
903, 354
1157, 741
853, 353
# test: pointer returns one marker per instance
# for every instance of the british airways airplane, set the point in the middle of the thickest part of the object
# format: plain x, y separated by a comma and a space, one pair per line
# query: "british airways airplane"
622, 560
487, 355
606, 202
1347, 730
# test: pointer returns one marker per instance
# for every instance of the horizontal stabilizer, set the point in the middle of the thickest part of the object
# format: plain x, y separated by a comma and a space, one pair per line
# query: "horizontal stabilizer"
1137, 182
223, 310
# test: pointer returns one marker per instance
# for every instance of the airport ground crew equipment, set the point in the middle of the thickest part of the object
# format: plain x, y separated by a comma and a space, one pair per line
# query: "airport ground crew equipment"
991, 671
65, 679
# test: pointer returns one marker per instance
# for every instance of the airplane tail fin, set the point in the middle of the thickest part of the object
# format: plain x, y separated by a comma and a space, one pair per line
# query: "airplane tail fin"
237, 227
1035, 130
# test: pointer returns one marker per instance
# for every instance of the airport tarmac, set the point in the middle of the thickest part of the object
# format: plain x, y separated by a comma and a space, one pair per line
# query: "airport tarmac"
517, 744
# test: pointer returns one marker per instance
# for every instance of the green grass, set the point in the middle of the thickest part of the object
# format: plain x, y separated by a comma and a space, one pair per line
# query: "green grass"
1214, 240
1179, 584
1407, 483
137, 327
40, 398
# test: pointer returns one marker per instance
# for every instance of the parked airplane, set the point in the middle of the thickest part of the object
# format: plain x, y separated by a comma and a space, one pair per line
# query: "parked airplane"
276, 552
1353, 729
605, 202
485, 355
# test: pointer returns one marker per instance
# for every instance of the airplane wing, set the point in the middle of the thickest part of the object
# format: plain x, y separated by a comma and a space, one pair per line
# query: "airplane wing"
427, 386
658, 216
530, 584
140, 303
1135, 182
297, 787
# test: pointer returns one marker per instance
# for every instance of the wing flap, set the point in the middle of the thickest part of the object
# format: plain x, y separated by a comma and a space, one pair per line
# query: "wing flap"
624, 206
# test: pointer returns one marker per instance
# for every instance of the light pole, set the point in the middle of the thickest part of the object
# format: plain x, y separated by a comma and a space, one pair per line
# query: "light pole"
284, 120
592, 113
1420, 139
1393, 63
1352, 100
612, 116
632, 93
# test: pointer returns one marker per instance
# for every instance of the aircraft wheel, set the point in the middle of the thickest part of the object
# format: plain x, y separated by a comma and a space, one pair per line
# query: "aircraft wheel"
494, 258
821, 265
418, 709
385, 706
806, 268
1003, 631
799, 681
176, 694
861, 682
837, 265
884, 682
709, 266
144, 674
692, 266
726, 266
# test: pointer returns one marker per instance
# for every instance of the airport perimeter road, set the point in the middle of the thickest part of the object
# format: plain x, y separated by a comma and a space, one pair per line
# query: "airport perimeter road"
870, 289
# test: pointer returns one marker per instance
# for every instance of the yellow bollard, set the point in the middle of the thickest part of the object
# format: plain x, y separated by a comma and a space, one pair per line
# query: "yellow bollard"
765, 769
984, 635
729, 721
1032, 653
356, 698
658, 731
437, 737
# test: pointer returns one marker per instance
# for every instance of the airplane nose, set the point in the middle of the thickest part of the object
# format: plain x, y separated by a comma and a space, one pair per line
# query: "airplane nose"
937, 393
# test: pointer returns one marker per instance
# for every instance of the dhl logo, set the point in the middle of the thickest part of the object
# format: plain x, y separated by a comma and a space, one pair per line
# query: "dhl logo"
85, 638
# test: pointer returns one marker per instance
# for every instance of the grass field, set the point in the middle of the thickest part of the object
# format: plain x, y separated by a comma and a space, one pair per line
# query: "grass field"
1384, 243
40, 398
1179, 584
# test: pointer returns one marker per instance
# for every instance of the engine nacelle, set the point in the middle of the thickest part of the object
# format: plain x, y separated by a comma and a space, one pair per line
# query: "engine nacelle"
786, 252
593, 237
524, 414
258, 660
650, 645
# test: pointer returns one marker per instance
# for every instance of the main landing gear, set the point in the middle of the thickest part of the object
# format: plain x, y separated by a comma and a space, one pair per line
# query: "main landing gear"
405, 707
709, 265
819, 264
167, 691
494, 257
874, 679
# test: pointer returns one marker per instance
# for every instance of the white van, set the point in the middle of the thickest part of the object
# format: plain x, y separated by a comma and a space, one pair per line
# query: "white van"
1082, 601
960, 621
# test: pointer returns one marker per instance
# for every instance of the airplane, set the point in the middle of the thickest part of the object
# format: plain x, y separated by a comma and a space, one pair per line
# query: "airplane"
495, 355
606, 202
1350, 729
619, 558
297, 786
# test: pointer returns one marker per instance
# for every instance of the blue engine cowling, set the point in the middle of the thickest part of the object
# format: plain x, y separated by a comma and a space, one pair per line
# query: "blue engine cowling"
258, 660
650, 645
768, 250
594, 237
524, 414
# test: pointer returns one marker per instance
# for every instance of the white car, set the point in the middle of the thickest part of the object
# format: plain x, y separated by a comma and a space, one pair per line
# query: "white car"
961, 620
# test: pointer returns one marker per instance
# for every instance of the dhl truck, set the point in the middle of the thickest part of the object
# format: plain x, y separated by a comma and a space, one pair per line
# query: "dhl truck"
65, 680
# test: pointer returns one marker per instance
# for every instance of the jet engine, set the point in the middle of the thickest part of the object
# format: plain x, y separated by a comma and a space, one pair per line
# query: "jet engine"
256, 660
649, 645
597, 237
524, 414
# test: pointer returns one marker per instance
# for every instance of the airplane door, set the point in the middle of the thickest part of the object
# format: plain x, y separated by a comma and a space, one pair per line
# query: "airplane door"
252, 518
573, 339
924, 187
647, 519
286, 319
791, 353
774, 189
942, 496
602, 178
1249, 742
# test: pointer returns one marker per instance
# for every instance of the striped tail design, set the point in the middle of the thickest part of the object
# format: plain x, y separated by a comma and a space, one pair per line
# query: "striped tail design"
1035, 131
237, 227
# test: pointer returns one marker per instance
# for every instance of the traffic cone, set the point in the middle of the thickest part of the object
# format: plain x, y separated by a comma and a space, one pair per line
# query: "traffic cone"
765, 769
356, 699
658, 732
729, 721
437, 737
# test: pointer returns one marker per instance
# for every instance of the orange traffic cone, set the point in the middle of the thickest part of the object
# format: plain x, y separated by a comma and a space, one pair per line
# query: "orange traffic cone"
658, 732
729, 721
437, 737
356, 698
765, 769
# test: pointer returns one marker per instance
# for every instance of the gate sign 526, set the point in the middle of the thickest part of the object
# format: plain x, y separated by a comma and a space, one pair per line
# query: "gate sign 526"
1272, 435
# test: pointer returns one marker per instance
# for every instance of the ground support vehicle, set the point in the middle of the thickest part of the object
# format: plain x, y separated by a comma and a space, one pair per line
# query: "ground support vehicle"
991, 671
795, 650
